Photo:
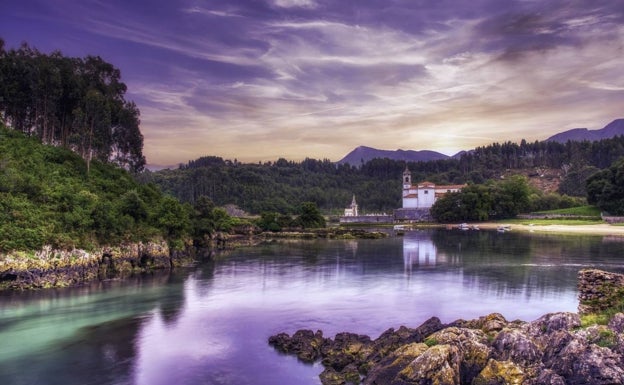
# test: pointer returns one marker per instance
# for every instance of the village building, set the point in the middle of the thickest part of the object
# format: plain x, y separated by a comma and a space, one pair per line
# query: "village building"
417, 199
423, 195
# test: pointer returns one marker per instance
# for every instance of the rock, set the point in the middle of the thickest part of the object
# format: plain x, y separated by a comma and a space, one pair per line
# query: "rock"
500, 373
472, 346
553, 322
349, 375
345, 349
437, 365
551, 350
516, 346
386, 371
493, 322
306, 344
547, 377
617, 323
390, 340
490, 323
580, 362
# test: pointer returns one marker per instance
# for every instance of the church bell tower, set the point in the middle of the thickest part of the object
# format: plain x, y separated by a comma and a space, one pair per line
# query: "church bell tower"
407, 180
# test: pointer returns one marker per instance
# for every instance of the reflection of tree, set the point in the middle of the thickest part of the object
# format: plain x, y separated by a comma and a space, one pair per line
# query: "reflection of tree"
104, 351
515, 262
171, 303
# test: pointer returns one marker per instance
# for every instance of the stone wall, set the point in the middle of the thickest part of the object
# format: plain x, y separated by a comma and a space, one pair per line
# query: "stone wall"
600, 291
370, 219
413, 215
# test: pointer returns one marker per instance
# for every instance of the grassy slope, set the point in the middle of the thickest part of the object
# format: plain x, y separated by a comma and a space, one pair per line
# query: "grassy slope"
47, 197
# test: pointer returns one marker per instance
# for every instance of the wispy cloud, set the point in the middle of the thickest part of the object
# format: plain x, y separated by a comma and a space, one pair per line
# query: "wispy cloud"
253, 80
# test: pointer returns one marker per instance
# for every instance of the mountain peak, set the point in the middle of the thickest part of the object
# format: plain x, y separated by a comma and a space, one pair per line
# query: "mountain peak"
363, 154
612, 129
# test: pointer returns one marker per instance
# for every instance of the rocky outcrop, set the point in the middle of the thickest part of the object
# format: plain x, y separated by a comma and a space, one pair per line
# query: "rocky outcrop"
600, 290
61, 268
553, 349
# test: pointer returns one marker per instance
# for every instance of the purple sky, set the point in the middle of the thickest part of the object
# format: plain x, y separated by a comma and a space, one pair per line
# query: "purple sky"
263, 79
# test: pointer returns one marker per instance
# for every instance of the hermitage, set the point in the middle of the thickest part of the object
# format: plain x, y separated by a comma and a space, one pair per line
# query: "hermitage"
423, 195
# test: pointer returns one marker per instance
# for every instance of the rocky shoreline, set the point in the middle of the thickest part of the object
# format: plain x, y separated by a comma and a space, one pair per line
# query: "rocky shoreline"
48, 268
555, 349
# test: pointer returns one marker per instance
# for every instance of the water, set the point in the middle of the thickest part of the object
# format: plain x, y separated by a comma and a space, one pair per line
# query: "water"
210, 325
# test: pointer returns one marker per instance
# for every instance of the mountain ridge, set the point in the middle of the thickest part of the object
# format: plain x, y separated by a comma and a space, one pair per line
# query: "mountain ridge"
612, 129
363, 154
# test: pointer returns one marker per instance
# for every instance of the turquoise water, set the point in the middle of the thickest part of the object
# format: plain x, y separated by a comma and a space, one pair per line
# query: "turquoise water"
210, 325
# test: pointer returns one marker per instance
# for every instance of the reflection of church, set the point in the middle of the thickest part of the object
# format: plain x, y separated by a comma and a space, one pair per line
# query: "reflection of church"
419, 250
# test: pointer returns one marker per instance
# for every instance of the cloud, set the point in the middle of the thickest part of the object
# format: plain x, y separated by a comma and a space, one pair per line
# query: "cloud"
295, 3
301, 78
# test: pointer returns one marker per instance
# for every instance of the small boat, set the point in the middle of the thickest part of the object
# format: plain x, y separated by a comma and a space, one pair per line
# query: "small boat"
463, 226
400, 229
503, 228
474, 227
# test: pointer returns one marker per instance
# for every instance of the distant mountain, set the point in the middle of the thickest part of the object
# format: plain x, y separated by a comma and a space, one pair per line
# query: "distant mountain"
363, 154
612, 129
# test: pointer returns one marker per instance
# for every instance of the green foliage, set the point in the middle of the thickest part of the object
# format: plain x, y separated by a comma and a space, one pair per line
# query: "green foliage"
310, 216
47, 197
605, 189
269, 221
494, 200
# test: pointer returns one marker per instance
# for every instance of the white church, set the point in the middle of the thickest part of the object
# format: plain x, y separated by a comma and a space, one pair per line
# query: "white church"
423, 195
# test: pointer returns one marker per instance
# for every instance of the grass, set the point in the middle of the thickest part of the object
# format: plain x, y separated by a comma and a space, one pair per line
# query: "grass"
585, 211
554, 221
595, 319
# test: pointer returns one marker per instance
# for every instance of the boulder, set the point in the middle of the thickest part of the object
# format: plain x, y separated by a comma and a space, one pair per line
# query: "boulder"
581, 362
500, 373
617, 323
553, 322
472, 347
386, 371
305, 344
517, 347
437, 365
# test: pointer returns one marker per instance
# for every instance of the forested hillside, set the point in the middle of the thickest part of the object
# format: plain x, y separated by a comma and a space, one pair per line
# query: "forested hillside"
47, 198
76, 103
282, 185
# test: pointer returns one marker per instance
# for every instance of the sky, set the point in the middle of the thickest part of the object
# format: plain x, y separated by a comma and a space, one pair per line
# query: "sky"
256, 80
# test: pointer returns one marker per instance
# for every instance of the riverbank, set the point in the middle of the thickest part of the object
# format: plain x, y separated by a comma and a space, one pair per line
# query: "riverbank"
49, 268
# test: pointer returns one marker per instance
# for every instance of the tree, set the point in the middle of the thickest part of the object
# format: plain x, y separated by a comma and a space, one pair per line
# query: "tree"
73, 102
310, 216
605, 189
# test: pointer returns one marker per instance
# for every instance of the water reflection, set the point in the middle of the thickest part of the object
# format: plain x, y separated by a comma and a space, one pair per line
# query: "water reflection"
210, 325
420, 251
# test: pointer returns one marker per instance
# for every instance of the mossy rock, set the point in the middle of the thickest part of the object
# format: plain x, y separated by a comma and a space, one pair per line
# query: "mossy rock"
500, 373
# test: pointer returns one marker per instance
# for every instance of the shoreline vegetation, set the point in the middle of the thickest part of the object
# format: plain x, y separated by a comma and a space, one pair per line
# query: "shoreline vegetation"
50, 268
55, 268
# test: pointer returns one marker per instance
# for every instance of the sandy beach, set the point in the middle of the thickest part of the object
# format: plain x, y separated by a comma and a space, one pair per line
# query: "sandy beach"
598, 229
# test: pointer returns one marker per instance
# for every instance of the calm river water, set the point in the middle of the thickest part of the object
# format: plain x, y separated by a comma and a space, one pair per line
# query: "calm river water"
210, 325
